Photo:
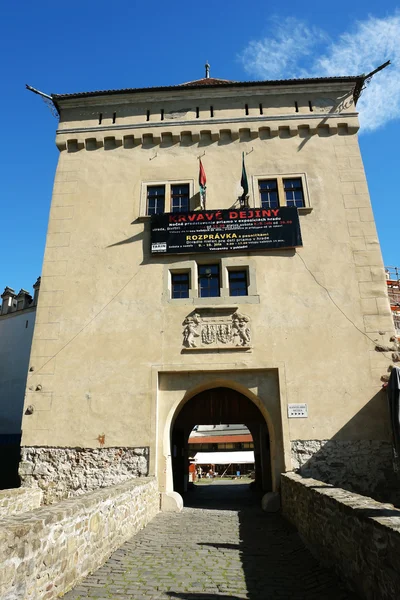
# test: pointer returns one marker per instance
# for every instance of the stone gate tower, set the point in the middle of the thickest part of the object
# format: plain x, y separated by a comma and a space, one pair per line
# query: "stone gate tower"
278, 325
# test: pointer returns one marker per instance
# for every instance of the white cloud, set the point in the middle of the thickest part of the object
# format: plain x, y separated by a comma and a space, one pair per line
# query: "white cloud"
297, 50
281, 53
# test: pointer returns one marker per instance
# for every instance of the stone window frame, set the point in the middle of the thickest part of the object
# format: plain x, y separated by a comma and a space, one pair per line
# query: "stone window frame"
167, 183
279, 177
226, 264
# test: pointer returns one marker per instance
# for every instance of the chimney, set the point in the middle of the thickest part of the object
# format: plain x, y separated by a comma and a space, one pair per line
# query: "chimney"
24, 299
8, 298
36, 287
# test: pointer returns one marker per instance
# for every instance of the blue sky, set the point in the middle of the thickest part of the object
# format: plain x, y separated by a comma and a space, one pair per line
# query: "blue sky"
87, 45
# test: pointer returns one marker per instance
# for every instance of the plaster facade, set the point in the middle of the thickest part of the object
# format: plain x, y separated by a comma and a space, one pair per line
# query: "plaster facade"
17, 321
108, 347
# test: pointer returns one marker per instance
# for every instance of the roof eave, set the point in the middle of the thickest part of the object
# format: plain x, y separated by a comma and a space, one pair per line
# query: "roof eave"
358, 79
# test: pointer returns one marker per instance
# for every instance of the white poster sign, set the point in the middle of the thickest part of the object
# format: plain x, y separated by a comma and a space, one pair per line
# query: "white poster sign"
297, 411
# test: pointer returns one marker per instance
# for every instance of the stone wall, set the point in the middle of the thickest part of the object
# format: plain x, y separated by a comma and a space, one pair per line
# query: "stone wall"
19, 500
356, 535
361, 466
55, 547
67, 472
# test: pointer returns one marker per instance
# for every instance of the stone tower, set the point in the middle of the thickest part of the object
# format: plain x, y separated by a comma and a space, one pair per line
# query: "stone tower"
136, 342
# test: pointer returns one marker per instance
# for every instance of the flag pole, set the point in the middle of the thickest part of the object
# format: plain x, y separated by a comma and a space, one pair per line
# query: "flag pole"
244, 183
202, 185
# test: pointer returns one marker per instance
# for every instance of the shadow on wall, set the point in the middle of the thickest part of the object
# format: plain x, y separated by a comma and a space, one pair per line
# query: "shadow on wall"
10, 452
365, 466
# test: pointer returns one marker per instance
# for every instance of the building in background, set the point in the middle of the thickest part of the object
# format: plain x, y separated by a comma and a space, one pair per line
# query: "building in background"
211, 258
221, 449
17, 321
211, 438
393, 284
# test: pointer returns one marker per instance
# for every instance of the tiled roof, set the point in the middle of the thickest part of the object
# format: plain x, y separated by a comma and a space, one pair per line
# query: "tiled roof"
212, 82
218, 439
207, 81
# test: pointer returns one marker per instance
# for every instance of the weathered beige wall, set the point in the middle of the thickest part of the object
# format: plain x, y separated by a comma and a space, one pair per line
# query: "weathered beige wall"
54, 548
102, 324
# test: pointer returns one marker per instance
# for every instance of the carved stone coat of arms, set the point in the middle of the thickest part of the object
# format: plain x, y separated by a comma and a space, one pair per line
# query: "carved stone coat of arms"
215, 329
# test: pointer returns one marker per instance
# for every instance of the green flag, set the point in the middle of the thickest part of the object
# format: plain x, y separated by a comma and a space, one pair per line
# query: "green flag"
243, 182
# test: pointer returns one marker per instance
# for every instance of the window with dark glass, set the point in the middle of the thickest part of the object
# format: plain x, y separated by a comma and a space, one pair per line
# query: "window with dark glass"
180, 197
293, 192
208, 281
180, 285
155, 199
238, 283
269, 193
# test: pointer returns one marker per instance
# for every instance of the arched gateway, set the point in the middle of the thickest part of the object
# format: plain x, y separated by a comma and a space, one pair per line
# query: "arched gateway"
215, 402
215, 406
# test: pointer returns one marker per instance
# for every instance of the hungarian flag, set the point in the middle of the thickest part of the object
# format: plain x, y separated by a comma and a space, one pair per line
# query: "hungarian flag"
243, 182
202, 184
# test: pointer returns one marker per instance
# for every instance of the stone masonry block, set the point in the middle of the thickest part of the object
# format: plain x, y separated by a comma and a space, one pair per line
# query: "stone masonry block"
383, 306
43, 363
378, 273
368, 258
372, 289
356, 162
363, 273
362, 229
369, 306
47, 331
56, 253
347, 187
372, 242
345, 150
62, 200
366, 213
40, 400
51, 298
58, 239
48, 314
52, 284
62, 176
55, 268
352, 175
343, 162
59, 226
62, 212
361, 187
65, 187
356, 200
380, 360
378, 323
358, 243
352, 214
42, 314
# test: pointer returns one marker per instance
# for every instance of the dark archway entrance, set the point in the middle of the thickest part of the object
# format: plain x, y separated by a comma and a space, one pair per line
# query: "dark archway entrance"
215, 406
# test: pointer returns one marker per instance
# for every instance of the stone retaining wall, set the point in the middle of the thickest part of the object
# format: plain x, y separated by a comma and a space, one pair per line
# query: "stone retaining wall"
46, 552
356, 535
360, 466
68, 472
19, 500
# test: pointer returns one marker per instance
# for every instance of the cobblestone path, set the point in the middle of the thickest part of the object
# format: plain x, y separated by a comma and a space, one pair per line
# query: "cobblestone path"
214, 550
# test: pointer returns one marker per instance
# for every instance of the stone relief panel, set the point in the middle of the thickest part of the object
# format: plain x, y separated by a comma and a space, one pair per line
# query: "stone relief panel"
208, 329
